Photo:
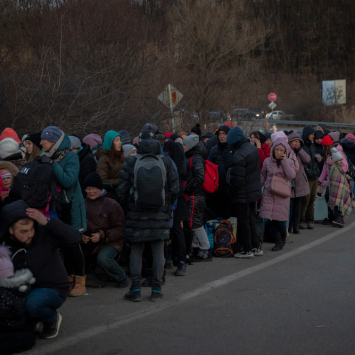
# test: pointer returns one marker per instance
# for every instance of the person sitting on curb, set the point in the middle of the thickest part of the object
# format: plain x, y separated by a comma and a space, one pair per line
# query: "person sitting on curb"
106, 228
34, 242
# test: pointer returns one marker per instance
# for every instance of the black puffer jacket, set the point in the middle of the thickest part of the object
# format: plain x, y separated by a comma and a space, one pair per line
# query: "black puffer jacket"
311, 169
147, 225
222, 155
42, 258
319, 149
243, 176
193, 189
87, 165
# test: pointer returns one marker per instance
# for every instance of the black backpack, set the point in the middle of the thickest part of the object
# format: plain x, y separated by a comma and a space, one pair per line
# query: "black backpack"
34, 184
223, 240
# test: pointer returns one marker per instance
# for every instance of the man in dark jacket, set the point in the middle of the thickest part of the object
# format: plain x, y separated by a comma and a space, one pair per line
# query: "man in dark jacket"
146, 224
221, 155
318, 137
196, 197
313, 173
34, 241
245, 190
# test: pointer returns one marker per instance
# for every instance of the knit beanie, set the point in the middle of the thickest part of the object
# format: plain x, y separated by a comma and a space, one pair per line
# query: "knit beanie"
336, 155
51, 134
10, 133
327, 140
191, 141
8, 146
24, 137
223, 128
93, 180
109, 138
6, 265
5, 174
92, 140
75, 142
151, 127
168, 135
128, 149
146, 135
35, 138
334, 135
196, 130
125, 137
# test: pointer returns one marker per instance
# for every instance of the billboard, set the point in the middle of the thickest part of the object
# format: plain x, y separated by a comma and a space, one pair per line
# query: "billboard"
334, 92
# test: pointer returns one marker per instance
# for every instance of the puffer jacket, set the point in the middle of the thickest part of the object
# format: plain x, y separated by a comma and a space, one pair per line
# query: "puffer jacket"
348, 148
106, 216
221, 155
311, 169
66, 172
87, 165
300, 185
195, 177
319, 149
13, 293
243, 175
274, 207
149, 224
108, 170
329, 162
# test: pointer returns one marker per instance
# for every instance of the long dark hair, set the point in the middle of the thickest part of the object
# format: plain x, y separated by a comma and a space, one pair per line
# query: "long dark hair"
328, 150
116, 156
36, 152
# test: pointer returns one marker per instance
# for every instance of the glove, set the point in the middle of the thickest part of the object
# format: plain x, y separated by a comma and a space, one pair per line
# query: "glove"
45, 159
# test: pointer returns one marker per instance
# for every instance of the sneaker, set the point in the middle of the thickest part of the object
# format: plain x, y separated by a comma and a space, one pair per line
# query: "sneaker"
181, 269
339, 222
311, 223
203, 255
155, 296
51, 330
123, 283
133, 295
258, 252
245, 255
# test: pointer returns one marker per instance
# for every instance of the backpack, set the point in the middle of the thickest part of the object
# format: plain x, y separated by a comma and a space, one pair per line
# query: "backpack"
223, 240
149, 181
211, 182
34, 184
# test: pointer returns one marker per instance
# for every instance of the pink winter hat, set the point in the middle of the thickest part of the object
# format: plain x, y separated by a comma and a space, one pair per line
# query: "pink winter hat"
92, 140
6, 265
279, 135
350, 137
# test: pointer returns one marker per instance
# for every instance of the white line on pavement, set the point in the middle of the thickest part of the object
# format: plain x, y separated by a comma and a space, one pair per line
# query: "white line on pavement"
89, 333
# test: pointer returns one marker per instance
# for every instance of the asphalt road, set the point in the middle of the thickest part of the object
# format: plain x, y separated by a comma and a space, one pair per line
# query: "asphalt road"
297, 301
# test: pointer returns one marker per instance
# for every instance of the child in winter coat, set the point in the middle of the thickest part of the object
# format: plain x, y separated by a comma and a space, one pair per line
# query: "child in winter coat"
15, 336
274, 207
340, 189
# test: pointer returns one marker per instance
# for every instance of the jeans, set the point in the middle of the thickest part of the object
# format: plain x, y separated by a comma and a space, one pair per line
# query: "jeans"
308, 201
295, 212
246, 230
106, 259
158, 264
200, 239
42, 304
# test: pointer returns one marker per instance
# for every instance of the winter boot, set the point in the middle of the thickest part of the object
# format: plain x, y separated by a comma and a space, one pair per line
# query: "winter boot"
311, 223
79, 287
303, 224
134, 294
338, 222
72, 282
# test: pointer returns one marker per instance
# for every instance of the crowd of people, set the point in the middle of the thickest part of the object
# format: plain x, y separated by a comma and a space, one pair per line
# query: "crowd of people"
137, 206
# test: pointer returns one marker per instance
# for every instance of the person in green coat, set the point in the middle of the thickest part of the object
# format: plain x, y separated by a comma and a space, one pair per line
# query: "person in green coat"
65, 163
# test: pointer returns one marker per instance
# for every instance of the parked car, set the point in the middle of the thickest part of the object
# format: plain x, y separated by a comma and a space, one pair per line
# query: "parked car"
257, 112
240, 113
216, 114
276, 115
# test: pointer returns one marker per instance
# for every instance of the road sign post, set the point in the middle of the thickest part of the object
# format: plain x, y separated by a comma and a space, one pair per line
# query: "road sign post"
170, 97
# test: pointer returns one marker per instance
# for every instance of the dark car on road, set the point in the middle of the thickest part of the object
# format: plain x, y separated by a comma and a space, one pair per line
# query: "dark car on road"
257, 112
240, 113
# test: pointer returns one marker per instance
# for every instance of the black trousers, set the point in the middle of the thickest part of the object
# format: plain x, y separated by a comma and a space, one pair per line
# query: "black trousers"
179, 242
278, 230
247, 235
295, 213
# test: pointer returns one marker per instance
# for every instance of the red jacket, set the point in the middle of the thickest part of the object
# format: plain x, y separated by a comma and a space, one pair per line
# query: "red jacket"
264, 152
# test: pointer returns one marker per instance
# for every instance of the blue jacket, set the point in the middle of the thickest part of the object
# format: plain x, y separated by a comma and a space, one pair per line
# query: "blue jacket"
66, 173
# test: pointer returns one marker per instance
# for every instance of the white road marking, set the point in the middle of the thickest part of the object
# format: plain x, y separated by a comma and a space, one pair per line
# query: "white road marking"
91, 332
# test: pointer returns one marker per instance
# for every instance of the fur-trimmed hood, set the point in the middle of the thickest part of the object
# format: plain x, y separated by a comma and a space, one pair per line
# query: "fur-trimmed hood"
20, 282
9, 166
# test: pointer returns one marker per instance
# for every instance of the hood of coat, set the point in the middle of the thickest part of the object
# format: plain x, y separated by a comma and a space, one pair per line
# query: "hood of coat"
84, 152
348, 143
149, 146
18, 284
278, 142
295, 136
198, 149
306, 132
9, 166
279, 135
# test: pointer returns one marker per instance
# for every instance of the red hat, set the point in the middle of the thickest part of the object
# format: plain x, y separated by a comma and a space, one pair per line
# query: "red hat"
167, 135
10, 133
327, 140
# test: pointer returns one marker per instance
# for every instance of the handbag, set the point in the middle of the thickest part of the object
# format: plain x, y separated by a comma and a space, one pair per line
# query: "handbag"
279, 185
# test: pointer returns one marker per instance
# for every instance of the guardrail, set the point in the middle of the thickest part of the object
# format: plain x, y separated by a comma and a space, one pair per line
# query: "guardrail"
307, 123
